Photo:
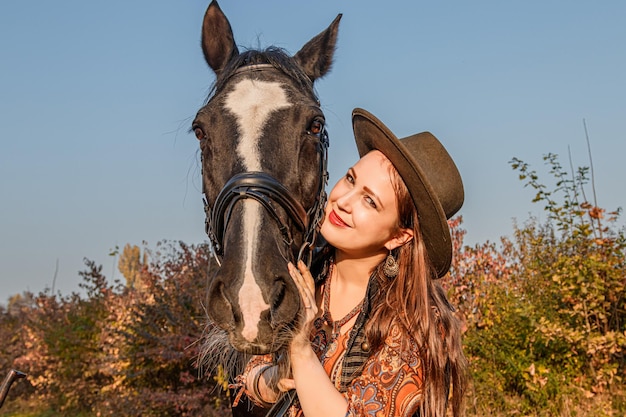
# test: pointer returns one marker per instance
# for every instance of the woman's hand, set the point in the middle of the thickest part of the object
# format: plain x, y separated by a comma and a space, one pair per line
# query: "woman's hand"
308, 305
309, 377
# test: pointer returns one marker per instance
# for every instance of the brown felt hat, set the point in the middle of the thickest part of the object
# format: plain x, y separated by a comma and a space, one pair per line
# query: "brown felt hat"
430, 175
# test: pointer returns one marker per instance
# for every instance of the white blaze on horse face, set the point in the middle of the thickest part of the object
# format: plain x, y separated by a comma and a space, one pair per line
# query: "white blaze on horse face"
252, 103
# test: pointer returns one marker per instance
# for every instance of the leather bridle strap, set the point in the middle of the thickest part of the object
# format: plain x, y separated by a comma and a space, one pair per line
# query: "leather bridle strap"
266, 190
269, 192
316, 212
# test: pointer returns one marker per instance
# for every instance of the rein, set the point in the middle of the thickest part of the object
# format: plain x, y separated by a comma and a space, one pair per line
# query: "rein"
271, 194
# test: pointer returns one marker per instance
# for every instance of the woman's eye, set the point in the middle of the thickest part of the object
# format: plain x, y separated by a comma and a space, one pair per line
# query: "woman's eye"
350, 178
370, 201
316, 127
199, 133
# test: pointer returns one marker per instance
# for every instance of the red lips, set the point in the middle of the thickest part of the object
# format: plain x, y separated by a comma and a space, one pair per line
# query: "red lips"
335, 220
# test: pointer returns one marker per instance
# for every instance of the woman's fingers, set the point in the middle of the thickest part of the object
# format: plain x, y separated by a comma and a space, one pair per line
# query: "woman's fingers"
286, 384
306, 275
301, 283
306, 287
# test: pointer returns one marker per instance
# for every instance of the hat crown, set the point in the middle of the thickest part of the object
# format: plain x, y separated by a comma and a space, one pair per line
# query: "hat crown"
439, 169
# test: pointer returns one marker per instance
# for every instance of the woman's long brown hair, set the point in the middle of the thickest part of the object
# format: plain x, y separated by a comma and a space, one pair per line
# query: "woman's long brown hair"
417, 300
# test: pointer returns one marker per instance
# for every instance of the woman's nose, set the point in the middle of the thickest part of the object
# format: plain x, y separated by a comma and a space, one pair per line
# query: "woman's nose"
344, 202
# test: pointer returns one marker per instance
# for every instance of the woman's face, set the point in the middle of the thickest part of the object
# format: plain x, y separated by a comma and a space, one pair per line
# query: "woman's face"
361, 215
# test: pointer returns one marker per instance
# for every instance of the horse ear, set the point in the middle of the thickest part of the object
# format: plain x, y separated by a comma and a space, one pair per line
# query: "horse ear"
316, 57
218, 42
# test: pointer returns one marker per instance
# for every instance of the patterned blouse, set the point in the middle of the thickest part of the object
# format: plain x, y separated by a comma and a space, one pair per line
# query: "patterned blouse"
390, 383
384, 383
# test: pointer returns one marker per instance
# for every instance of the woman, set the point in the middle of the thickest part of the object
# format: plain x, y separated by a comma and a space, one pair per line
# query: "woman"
378, 336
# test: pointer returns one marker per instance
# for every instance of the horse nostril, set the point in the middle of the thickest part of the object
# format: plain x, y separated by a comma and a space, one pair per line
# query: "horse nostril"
284, 301
220, 310
278, 294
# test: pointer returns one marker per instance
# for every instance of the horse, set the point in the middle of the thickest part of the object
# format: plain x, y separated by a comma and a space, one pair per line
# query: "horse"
263, 145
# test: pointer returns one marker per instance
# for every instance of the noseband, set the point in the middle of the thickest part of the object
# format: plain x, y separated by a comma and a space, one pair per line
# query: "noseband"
272, 195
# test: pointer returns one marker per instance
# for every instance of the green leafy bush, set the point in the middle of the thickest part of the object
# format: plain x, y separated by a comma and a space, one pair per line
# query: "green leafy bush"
545, 312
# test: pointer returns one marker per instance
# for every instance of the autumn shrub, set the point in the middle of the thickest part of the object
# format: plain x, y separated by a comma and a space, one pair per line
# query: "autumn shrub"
158, 331
118, 350
576, 265
61, 345
13, 319
545, 311
498, 323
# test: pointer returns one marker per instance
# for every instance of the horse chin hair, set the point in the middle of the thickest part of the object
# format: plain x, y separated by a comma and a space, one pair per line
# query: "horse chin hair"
216, 352
281, 358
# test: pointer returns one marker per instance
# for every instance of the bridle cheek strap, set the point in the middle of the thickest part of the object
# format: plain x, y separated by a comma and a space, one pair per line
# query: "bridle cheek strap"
266, 190
270, 193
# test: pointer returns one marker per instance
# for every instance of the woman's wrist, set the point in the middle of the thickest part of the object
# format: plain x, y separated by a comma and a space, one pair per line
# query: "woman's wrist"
257, 385
301, 350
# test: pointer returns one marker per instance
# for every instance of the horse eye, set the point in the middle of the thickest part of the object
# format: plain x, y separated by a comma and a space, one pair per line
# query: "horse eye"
199, 133
316, 127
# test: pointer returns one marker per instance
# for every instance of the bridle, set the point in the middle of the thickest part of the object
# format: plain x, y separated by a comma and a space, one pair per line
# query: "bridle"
272, 195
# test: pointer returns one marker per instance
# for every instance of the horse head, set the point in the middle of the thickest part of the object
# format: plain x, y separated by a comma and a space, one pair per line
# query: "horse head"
263, 147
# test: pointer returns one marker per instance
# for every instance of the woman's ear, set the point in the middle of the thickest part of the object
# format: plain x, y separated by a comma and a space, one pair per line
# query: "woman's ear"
402, 237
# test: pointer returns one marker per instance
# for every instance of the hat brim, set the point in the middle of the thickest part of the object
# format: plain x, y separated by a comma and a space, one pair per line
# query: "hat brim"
371, 134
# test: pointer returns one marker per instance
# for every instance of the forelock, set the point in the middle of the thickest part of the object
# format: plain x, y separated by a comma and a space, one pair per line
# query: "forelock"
274, 56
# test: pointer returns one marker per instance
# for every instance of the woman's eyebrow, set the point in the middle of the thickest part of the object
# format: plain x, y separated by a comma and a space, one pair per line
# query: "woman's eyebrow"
368, 190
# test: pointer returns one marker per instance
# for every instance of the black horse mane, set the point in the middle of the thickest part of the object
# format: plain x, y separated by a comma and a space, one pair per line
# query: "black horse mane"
274, 56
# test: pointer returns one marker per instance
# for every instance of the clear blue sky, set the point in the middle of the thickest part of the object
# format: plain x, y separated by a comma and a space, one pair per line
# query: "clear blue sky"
96, 99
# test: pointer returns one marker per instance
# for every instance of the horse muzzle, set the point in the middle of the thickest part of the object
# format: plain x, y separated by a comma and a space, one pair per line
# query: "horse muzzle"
257, 309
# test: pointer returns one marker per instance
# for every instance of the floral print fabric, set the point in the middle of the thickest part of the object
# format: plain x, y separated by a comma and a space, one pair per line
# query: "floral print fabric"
391, 382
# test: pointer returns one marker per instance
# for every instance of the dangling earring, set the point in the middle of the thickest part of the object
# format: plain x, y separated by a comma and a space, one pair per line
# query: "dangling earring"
391, 267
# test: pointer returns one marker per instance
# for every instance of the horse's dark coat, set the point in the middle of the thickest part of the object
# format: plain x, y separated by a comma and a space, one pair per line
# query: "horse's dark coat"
262, 121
